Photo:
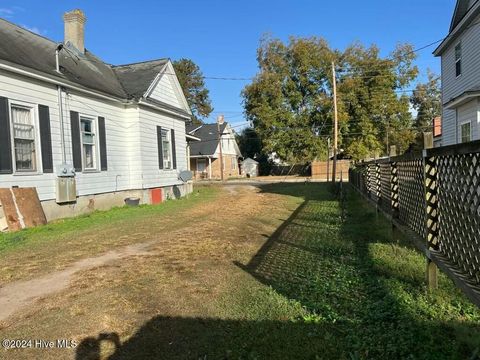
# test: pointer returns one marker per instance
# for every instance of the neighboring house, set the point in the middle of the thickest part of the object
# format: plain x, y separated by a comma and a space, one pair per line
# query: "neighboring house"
437, 131
249, 168
84, 133
460, 56
205, 154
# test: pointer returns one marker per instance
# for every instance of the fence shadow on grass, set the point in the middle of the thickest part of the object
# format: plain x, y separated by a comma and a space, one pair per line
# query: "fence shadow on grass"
327, 265
357, 306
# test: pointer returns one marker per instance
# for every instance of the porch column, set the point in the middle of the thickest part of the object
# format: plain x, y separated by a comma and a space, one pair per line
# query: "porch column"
188, 156
210, 168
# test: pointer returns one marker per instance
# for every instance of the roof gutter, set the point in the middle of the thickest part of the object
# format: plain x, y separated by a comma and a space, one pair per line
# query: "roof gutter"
191, 137
162, 109
462, 99
67, 84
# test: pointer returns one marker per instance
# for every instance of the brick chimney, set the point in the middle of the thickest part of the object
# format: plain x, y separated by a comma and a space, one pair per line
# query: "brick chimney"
220, 119
74, 28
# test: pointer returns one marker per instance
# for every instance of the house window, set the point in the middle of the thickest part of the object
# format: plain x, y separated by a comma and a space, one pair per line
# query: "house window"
87, 126
466, 132
458, 59
201, 165
234, 164
166, 149
23, 125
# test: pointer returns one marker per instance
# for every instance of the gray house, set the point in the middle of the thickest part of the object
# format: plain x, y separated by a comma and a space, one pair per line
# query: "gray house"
460, 54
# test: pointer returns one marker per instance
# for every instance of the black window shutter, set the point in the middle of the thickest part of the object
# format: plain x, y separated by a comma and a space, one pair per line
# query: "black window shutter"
160, 150
5, 141
103, 143
76, 144
45, 138
174, 150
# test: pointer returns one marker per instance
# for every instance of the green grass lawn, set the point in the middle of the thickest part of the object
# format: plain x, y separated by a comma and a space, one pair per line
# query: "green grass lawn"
347, 291
32, 252
277, 274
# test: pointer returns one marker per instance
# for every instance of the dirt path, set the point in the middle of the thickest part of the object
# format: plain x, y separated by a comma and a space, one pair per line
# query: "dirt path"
20, 295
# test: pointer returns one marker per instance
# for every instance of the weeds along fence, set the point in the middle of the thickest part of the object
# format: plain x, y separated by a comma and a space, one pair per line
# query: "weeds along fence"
433, 197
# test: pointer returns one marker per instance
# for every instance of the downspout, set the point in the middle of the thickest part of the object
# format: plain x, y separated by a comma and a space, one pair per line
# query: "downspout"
60, 104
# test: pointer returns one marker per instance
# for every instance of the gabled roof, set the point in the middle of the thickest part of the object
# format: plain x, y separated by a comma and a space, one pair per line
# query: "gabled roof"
24, 49
136, 78
208, 134
465, 12
249, 160
461, 9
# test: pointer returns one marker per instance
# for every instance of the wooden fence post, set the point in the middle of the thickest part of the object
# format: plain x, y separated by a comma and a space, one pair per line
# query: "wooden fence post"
431, 206
394, 205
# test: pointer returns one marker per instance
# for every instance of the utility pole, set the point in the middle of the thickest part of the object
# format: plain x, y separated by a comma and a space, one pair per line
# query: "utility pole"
328, 159
220, 120
335, 125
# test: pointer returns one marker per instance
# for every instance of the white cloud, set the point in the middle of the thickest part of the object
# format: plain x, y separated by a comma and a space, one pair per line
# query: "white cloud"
10, 12
34, 29
6, 12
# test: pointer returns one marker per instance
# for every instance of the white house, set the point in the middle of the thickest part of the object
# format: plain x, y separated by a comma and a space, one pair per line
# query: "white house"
460, 54
84, 133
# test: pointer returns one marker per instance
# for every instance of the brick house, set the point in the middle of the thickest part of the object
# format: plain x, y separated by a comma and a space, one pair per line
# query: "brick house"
205, 154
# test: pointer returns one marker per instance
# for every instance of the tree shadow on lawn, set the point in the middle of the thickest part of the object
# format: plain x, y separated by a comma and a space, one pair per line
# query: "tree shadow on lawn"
356, 308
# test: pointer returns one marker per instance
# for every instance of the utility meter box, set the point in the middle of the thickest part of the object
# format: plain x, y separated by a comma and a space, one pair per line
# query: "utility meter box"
66, 190
66, 184
65, 170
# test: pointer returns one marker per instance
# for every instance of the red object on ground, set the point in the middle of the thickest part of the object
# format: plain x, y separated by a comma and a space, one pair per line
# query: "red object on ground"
156, 196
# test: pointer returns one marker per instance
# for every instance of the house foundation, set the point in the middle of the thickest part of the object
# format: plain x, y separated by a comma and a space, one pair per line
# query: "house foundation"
106, 201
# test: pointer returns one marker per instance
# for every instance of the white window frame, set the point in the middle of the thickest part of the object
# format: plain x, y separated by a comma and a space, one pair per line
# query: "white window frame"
96, 151
460, 130
36, 131
234, 163
459, 60
168, 132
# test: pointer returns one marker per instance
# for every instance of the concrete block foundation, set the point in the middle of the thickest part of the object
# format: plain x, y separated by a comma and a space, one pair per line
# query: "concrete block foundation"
89, 203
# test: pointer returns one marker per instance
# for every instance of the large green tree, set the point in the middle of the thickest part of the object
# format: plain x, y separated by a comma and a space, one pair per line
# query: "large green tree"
290, 100
426, 100
193, 84
372, 96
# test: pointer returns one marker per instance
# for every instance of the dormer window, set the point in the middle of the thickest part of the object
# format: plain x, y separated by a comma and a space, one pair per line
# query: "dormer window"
458, 59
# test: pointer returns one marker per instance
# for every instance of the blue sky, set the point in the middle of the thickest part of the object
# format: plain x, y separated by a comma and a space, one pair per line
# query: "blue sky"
222, 36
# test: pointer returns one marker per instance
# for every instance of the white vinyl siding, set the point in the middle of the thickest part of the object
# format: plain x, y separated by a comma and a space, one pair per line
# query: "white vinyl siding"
468, 113
452, 85
130, 135
152, 176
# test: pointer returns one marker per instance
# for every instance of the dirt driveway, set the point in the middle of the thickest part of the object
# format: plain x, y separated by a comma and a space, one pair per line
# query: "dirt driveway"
176, 264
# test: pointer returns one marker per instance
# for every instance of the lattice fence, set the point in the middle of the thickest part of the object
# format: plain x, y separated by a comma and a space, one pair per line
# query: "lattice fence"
436, 196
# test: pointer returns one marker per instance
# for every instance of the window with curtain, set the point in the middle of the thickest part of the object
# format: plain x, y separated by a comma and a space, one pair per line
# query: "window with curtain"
87, 127
24, 138
166, 149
